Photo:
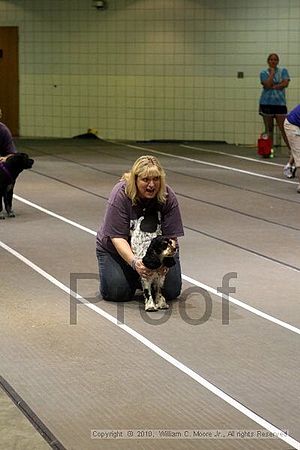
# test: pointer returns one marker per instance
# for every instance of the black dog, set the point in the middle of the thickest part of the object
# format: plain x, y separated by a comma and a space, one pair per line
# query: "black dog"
160, 254
9, 171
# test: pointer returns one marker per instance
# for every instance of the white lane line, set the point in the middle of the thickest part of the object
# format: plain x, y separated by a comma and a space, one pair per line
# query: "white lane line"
231, 155
233, 300
53, 214
198, 161
160, 352
243, 305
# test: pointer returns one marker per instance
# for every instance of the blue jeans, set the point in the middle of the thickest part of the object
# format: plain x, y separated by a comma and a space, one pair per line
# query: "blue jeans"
118, 281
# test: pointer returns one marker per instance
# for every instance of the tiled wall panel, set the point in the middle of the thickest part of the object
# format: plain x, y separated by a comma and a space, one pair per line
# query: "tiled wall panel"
141, 70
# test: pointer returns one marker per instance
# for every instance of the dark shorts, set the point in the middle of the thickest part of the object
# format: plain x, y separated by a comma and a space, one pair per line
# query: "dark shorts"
272, 110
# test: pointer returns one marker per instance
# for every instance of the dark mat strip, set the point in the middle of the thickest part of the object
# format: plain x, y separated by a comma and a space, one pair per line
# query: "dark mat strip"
31, 416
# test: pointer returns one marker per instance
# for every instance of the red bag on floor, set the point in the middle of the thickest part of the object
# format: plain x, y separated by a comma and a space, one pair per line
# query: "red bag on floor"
264, 145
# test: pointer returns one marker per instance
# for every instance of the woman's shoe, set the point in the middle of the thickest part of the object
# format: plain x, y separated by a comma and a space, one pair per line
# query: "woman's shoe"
289, 171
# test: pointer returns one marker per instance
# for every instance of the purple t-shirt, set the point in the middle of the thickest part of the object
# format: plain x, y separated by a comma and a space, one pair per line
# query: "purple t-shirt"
294, 116
121, 217
7, 145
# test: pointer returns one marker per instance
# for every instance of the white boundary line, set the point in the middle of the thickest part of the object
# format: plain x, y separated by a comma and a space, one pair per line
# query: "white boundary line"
53, 214
166, 356
185, 277
243, 305
231, 155
198, 161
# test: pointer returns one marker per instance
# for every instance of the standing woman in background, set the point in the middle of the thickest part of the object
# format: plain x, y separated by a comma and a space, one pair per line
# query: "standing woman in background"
272, 103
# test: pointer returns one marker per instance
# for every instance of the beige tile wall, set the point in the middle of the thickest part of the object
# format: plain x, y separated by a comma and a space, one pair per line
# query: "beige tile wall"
150, 69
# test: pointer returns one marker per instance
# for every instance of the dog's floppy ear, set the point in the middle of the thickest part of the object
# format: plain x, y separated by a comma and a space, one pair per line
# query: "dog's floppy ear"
169, 261
151, 260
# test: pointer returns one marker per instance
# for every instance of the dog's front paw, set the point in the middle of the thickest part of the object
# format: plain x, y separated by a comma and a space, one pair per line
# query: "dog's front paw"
161, 303
2, 217
150, 305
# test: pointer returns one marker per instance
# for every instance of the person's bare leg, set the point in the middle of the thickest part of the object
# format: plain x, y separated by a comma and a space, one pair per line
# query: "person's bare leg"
269, 126
280, 121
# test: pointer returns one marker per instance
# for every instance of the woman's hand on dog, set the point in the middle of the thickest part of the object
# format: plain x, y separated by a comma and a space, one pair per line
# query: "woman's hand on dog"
142, 270
4, 158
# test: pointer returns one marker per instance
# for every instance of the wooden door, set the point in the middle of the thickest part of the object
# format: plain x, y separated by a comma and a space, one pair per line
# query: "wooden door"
9, 78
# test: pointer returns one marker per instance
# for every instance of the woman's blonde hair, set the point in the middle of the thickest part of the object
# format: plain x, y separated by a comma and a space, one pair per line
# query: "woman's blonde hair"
145, 166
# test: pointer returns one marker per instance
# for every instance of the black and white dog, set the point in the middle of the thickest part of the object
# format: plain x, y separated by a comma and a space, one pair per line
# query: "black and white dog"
159, 255
156, 251
10, 168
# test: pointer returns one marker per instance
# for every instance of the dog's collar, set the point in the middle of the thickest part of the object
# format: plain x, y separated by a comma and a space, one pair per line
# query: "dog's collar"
6, 171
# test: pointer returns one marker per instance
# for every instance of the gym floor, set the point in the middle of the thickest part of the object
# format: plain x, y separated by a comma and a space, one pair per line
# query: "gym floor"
219, 370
